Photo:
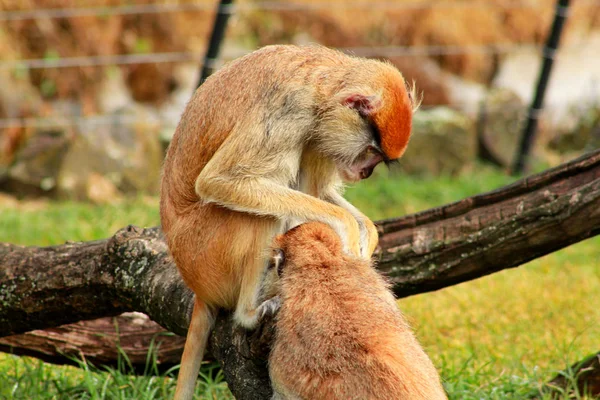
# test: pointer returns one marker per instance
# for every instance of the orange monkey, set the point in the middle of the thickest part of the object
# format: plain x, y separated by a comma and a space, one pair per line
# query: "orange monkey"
265, 144
339, 334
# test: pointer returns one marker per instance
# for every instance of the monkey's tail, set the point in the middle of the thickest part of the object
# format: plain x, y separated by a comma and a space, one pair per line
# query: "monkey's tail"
193, 351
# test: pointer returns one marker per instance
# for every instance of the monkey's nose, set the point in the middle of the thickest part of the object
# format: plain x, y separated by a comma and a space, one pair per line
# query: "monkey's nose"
366, 172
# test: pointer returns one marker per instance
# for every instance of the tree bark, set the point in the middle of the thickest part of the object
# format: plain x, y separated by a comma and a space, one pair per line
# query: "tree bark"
493, 231
101, 341
47, 287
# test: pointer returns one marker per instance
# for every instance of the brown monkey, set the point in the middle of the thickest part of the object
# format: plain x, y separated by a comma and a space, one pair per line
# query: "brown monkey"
264, 144
339, 333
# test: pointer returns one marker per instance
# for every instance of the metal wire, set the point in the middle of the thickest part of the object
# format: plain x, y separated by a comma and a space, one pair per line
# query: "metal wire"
153, 8
125, 59
71, 120
94, 61
382, 51
66, 120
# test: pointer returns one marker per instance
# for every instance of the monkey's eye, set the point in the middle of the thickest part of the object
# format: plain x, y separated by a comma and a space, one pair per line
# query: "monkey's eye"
374, 131
373, 151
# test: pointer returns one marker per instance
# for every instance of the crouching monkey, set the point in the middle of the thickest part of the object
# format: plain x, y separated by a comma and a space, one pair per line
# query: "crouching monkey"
265, 143
339, 334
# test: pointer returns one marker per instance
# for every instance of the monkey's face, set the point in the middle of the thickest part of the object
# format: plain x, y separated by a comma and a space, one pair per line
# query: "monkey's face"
306, 244
364, 126
348, 137
355, 147
363, 166
271, 281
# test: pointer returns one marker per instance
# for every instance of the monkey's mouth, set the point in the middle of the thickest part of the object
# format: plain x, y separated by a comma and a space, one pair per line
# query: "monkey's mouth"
360, 170
348, 175
356, 173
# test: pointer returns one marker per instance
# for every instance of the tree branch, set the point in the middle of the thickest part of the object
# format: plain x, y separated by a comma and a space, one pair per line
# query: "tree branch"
43, 287
100, 341
52, 286
490, 232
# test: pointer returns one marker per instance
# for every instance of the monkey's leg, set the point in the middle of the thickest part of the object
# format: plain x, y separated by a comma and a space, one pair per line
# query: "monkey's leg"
248, 312
193, 351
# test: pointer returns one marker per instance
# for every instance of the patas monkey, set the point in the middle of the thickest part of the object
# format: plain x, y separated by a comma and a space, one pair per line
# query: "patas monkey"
339, 334
264, 144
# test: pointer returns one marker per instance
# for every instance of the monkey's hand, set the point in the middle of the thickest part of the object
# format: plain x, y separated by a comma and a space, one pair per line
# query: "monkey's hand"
348, 229
369, 237
361, 232
262, 196
268, 308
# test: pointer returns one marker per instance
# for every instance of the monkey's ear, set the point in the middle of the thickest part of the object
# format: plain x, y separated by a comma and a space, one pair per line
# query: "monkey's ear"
277, 260
363, 104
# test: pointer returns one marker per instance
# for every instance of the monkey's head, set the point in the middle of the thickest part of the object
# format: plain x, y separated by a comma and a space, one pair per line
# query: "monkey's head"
367, 120
312, 243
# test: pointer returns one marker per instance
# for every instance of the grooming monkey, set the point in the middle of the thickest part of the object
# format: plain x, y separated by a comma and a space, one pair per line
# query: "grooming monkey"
339, 334
264, 144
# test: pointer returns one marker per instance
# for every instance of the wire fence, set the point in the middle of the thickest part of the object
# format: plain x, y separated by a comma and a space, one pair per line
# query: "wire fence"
63, 120
154, 58
179, 57
363, 51
153, 8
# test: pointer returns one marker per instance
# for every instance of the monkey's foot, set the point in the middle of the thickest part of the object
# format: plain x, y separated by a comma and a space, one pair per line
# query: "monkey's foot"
268, 309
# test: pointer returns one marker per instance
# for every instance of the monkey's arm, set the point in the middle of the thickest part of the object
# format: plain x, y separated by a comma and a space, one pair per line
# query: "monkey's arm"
263, 196
369, 238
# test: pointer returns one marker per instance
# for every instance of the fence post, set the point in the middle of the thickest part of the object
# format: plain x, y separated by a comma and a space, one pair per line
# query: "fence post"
549, 51
216, 38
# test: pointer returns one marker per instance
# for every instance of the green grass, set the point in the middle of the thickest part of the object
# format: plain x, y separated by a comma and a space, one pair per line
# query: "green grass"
389, 194
27, 378
498, 337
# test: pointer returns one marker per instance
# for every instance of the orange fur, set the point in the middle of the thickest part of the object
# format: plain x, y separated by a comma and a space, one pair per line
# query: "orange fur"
339, 333
393, 119
262, 146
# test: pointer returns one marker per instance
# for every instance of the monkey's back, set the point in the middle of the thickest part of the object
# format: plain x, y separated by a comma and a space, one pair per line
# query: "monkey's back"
252, 102
246, 93
210, 243
340, 336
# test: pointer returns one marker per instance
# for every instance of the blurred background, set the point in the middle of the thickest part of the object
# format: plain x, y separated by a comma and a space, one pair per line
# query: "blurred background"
92, 90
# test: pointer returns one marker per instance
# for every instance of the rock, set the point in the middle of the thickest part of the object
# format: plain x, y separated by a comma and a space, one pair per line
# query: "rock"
126, 151
18, 97
584, 136
186, 75
465, 94
36, 164
100, 189
501, 118
443, 142
11, 139
113, 93
32, 154
575, 77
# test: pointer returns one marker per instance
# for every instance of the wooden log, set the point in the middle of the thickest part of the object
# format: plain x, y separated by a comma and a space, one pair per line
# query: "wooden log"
132, 271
